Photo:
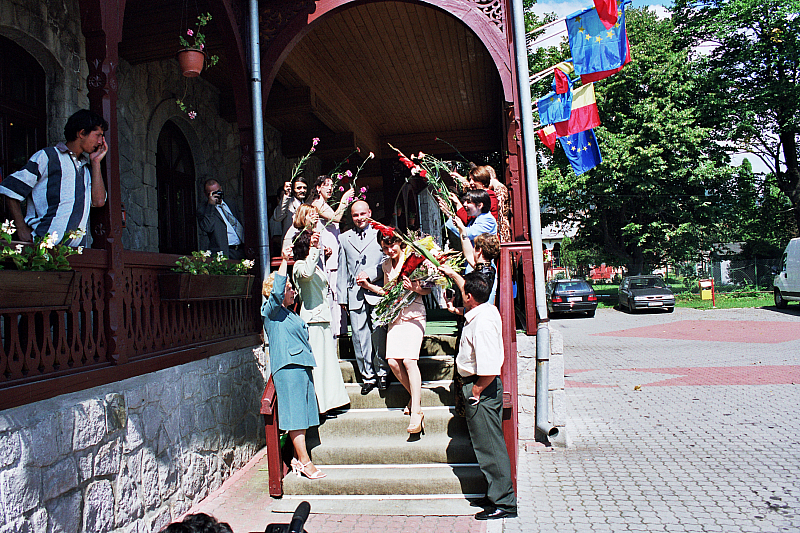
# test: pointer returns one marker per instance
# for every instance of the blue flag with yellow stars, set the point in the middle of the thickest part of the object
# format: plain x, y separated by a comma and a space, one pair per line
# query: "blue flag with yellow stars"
554, 107
595, 49
582, 151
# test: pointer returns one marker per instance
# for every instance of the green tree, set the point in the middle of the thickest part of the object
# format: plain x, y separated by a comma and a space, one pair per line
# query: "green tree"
748, 90
647, 202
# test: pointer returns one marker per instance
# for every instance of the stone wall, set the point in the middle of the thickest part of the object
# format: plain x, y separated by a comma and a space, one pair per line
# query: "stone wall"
51, 33
526, 384
130, 456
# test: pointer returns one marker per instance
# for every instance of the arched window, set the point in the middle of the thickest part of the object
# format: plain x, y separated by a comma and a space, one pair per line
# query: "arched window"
23, 111
177, 222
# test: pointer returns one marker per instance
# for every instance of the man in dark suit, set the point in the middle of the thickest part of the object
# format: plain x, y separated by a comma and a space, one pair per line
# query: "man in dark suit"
360, 256
220, 229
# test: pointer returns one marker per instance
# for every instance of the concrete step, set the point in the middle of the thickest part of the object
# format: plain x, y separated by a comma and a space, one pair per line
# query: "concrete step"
391, 479
437, 344
432, 367
380, 504
359, 423
434, 393
399, 448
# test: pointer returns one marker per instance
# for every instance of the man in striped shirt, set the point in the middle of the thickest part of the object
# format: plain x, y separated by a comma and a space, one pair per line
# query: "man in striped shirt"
60, 183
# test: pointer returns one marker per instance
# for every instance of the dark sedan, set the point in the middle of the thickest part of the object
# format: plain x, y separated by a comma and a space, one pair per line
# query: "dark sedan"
570, 296
645, 292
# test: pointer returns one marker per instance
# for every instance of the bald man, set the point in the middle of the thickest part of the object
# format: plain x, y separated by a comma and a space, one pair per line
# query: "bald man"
360, 256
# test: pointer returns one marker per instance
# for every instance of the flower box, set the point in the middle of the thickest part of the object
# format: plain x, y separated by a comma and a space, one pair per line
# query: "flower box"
180, 286
25, 290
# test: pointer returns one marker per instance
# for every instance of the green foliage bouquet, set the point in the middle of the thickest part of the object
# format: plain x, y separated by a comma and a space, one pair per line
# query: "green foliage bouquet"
46, 253
216, 265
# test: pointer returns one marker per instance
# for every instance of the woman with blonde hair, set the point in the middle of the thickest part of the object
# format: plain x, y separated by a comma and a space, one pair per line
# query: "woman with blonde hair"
313, 286
291, 362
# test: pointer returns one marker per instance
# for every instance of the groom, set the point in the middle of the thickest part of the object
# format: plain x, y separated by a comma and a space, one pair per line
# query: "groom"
360, 256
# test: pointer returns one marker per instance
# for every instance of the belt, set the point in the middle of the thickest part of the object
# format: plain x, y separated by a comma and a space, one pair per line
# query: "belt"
469, 379
234, 246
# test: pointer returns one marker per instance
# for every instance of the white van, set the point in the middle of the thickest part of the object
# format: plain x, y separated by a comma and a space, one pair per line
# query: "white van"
787, 282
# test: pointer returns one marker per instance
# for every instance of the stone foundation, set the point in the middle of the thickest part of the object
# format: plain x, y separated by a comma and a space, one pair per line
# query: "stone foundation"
526, 384
130, 456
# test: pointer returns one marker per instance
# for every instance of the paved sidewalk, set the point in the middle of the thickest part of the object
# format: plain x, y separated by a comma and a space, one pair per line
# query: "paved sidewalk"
710, 441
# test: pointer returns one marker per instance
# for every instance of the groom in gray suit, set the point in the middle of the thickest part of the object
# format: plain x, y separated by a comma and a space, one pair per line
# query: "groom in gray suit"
360, 256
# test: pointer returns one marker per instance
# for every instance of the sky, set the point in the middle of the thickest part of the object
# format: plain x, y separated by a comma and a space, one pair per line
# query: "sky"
562, 8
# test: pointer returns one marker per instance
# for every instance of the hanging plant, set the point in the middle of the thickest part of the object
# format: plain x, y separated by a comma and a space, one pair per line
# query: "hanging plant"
192, 58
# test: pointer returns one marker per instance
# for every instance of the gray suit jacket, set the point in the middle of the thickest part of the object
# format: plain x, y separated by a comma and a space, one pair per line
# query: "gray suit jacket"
213, 231
357, 254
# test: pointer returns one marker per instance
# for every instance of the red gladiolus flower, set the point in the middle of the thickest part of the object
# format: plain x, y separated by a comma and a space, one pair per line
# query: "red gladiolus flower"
423, 173
411, 264
385, 230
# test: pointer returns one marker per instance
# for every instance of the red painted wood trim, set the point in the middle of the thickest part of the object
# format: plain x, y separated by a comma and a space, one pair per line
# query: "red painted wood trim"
277, 469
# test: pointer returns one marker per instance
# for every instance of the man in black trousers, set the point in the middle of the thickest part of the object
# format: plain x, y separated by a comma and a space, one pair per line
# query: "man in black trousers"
480, 358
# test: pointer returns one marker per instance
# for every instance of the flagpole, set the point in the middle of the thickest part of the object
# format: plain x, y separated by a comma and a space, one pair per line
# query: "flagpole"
544, 73
540, 28
535, 221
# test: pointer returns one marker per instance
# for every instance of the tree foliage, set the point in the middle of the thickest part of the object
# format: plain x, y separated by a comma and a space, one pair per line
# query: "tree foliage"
748, 79
647, 202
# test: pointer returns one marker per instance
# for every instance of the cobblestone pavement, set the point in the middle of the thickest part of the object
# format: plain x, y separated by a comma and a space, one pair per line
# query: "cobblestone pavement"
678, 422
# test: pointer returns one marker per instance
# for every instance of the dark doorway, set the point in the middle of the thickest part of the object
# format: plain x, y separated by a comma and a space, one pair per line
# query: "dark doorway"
177, 225
23, 112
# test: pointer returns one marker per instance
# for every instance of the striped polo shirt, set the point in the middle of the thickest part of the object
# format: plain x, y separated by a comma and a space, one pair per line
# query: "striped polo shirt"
58, 188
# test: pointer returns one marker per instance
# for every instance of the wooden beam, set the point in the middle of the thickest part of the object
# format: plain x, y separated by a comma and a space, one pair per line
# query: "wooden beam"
475, 140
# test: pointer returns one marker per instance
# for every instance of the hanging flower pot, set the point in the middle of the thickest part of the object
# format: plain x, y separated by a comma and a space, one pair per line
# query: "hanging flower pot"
191, 62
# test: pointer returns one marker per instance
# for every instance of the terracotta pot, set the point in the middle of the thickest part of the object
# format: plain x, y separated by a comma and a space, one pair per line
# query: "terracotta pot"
25, 290
179, 286
191, 62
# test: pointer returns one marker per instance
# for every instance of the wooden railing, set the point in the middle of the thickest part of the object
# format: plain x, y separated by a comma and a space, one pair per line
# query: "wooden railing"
515, 266
46, 352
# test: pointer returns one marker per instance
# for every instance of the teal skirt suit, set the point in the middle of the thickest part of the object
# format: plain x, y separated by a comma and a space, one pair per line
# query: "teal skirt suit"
290, 361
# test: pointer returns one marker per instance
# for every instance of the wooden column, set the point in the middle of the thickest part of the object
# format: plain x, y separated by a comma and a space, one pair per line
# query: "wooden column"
101, 23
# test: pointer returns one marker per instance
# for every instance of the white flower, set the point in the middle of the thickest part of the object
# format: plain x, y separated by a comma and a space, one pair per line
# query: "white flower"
248, 263
206, 253
51, 240
19, 248
8, 227
80, 250
220, 256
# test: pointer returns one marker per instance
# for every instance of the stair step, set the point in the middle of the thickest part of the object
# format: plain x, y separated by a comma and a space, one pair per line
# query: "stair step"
391, 479
380, 504
391, 449
432, 368
358, 423
434, 393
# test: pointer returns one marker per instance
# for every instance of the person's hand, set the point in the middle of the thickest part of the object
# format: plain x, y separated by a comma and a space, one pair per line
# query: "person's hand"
24, 232
315, 239
100, 153
286, 253
461, 180
447, 270
456, 201
460, 226
328, 252
214, 198
287, 188
408, 284
349, 193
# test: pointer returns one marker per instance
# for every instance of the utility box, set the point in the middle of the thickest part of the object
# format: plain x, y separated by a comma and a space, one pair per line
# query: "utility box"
706, 289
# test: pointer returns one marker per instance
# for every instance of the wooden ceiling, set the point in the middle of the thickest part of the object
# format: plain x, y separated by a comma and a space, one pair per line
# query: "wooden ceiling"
370, 74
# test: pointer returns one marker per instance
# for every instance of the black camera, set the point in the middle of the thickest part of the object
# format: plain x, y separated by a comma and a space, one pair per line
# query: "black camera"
449, 293
217, 194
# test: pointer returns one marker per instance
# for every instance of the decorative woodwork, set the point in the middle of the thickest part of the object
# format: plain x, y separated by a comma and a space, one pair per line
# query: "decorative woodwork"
183, 287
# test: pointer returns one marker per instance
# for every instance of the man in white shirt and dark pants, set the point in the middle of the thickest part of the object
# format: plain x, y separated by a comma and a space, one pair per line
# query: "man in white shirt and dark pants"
480, 358
220, 229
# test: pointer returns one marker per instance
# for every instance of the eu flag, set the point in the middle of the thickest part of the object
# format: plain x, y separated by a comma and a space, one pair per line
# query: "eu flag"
594, 48
582, 151
554, 107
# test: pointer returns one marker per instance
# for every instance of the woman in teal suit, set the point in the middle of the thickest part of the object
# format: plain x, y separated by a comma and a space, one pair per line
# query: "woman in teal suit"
290, 361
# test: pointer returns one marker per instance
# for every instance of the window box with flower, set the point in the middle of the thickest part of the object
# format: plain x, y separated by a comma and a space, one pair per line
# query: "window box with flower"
203, 276
38, 274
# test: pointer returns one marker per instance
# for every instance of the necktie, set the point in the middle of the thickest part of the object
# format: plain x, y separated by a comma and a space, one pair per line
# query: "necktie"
233, 222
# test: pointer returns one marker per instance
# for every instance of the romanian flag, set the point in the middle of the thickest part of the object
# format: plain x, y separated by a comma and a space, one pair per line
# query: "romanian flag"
597, 51
554, 107
583, 115
607, 11
561, 82
548, 137
582, 151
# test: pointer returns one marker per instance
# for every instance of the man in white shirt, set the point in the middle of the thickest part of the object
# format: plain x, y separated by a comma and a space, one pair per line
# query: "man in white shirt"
220, 229
480, 358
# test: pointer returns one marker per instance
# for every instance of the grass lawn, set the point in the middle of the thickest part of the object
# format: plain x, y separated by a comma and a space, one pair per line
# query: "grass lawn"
607, 297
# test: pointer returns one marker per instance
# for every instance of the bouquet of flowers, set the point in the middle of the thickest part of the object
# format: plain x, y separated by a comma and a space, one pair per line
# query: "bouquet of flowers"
421, 260
430, 169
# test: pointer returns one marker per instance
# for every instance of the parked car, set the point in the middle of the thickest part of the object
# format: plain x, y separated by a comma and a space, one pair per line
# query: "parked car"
570, 296
787, 281
645, 292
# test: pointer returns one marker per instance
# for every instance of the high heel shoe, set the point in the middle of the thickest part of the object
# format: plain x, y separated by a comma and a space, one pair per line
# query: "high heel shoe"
416, 425
407, 409
319, 474
296, 465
